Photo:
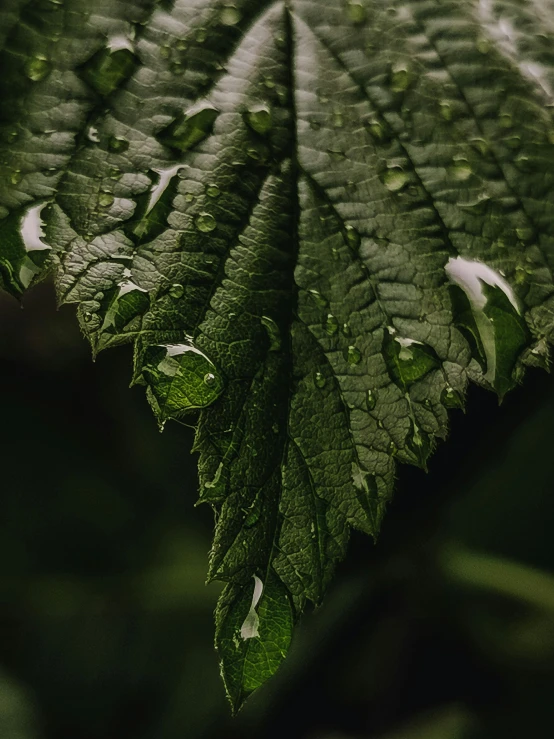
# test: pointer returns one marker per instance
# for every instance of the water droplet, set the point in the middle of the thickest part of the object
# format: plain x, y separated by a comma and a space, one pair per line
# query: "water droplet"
400, 78
122, 306
269, 82
212, 191
346, 330
110, 67
114, 173
273, 332
505, 120
177, 291
371, 400
92, 135
393, 449
487, 313
118, 144
315, 125
15, 178
331, 324
205, 222
394, 179
189, 129
105, 199
451, 398
318, 298
460, 170
446, 111
319, 380
229, 15
353, 355
259, 119
419, 444
177, 67
480, 145
38, 68
353, 238
407, 360
356, 12
180, 377
378, 130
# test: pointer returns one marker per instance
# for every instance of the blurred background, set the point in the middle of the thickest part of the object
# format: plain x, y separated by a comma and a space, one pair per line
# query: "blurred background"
444, 630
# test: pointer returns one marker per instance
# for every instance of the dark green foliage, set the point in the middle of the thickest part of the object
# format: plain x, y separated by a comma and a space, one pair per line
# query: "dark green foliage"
270, 200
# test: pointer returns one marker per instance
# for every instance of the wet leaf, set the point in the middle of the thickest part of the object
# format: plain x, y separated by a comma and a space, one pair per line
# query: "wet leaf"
315, 222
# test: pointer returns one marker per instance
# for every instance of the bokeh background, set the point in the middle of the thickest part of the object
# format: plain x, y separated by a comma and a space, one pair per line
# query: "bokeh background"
444, 630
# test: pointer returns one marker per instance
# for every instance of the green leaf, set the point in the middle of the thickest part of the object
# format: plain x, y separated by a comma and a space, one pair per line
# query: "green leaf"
314, 220
253, 630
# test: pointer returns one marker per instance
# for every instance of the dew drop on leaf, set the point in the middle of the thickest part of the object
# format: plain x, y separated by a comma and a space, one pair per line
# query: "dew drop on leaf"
419, 444
122, 306
205, 222
105, 199
394, 179
213, 191
180, 377
356, 12
353, 238
446, 111
505, 120
319, 380
176, 291
259, 119
229, 15
379, 131
371, 400
451, 398
331, 324
118, 144
353, 355
318, 298
400, 78
407, 360
38, 68
460, 170
189, 129
108, 69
